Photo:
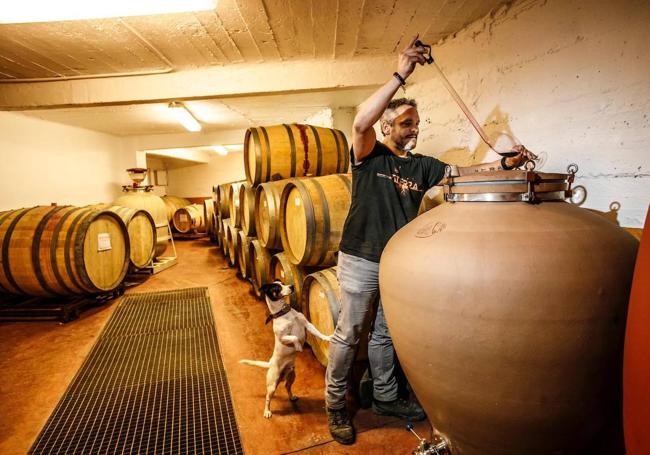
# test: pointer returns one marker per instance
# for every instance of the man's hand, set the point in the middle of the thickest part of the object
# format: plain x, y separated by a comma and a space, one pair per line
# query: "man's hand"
523, 155
409, 56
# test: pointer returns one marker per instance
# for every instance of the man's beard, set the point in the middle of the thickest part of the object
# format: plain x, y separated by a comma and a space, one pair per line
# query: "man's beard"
410, 145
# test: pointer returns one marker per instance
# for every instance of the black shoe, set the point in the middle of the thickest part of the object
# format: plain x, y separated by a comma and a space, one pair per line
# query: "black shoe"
341, 428
404, 409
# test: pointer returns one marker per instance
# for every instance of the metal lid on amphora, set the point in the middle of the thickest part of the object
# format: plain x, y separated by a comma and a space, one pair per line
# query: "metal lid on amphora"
509, 186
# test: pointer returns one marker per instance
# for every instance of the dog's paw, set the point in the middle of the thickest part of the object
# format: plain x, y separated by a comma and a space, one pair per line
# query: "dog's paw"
267, 414
293, 398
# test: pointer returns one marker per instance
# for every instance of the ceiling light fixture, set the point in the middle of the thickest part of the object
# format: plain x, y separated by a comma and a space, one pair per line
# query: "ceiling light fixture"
184, 116
24, 11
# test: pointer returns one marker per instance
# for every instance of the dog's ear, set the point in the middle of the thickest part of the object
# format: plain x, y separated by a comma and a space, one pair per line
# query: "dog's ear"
267, 288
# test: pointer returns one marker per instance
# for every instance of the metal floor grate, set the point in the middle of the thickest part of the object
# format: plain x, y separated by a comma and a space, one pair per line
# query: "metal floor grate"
154, 383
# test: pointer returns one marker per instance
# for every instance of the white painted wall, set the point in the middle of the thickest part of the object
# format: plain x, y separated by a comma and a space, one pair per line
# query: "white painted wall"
342, 119
193, 180
43, 162
568, 78
322, 118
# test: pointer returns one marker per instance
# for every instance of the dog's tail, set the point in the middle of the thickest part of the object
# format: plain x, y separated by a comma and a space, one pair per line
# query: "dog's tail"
256, 363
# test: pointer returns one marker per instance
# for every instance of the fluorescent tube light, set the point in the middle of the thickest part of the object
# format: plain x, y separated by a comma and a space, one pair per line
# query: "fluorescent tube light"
235, 147
22, 11
220, 149
184, 117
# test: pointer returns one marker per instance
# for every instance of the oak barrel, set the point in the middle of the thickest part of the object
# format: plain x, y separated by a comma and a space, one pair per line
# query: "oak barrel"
243, 258
283, 151
223, 205
208, 212
312, 214
62, 250
222, 195
267, 213
232, 239
233, 201
260, 261
282, 269
224, 236
173, 203
189, 219
247, 209
217, 235
321, 299
218, 224
140, 198
142, 234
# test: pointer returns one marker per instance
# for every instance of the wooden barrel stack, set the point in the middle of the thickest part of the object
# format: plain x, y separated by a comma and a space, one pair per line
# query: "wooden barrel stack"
54, 251
285, 221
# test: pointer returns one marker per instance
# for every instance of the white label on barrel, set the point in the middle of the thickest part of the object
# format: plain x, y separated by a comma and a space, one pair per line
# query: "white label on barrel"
321, 294
297, 201
103, 241
183, 217
264, 203
282, 274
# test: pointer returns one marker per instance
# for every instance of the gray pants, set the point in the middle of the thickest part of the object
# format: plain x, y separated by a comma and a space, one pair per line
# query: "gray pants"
359, 281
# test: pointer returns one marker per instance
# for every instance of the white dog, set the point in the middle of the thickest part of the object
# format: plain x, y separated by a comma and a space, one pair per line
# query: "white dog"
290, 329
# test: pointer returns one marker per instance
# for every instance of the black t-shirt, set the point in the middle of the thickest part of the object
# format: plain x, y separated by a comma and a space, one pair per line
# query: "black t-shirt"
386, 194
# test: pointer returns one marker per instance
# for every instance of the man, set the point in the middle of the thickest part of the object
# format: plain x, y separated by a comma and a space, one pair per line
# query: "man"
387, 187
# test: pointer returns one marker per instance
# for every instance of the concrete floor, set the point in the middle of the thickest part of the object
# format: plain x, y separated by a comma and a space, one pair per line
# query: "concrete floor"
39, 359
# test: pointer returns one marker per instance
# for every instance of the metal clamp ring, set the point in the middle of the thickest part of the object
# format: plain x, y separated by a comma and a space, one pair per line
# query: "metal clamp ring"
615, 206
572, 168
451, 170
530, 165
578, 195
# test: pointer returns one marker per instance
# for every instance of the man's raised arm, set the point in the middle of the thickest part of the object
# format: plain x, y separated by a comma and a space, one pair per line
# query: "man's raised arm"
363, 134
